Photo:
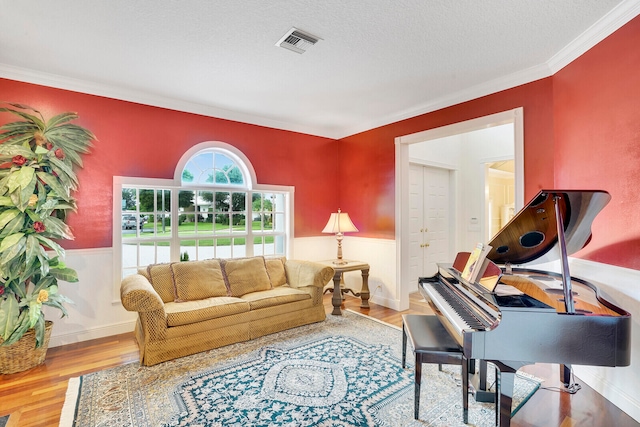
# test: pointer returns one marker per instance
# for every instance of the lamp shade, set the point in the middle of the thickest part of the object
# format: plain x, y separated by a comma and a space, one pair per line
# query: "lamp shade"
339, 222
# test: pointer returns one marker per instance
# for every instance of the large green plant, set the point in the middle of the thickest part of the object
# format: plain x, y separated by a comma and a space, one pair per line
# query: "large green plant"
37, 158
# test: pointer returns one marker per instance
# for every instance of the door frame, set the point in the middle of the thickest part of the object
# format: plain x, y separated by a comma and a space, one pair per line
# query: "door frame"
515, 116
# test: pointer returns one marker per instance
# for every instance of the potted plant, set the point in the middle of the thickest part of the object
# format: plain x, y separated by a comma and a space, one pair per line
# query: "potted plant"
37, 158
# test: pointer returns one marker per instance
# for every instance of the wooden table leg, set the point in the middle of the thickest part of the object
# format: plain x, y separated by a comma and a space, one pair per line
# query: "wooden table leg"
364, 293
336, 299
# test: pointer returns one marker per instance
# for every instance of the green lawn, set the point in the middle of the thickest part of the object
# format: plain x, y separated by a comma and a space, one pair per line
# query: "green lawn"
203, 228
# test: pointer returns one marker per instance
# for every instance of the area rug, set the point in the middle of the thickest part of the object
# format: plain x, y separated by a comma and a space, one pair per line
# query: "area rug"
345, 371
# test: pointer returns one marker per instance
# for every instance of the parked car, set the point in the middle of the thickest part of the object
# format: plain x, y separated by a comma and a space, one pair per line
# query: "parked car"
128, 222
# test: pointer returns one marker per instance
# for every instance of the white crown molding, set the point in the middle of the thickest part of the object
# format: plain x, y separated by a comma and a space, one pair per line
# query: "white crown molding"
603, 28
496, 85
77, 85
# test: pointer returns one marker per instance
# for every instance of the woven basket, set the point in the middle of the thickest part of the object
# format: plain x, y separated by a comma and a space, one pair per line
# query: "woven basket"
23, 354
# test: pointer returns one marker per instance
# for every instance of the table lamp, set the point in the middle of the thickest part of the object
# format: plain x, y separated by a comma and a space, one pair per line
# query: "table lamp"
339, 223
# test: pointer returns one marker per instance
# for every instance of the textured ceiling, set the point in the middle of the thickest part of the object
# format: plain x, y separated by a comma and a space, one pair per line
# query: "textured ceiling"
378, 61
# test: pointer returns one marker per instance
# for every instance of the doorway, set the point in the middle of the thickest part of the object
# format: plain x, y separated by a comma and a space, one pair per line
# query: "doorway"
467, 201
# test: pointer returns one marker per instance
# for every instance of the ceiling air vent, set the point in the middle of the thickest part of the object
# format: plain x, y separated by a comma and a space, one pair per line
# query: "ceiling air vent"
297, 41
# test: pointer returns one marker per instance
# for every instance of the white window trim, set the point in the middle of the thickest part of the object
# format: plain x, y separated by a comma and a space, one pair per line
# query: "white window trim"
175, 185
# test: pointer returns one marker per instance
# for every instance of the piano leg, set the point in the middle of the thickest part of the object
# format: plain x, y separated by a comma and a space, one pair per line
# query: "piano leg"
465, 389
483, 374
565, 375
504, 383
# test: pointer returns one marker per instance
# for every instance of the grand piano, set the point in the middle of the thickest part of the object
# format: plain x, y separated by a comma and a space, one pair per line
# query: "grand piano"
514, 317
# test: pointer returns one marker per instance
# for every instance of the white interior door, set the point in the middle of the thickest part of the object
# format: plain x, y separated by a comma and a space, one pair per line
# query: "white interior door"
429, 230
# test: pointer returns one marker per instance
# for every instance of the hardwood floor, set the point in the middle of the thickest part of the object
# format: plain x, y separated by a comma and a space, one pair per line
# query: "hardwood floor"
35, 397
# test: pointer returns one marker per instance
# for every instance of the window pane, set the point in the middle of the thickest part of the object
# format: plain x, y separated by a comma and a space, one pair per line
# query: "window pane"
187, 224
222, 248
163, 252
222, 201
185, 200
238, 249
163, 225
206, 249
258, 248
188, 249
129, 255
279, 245
129, 199
278, 223
163, 200
239, 225
204, 225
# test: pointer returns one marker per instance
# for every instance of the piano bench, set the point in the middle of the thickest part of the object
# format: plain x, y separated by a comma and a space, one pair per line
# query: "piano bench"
433, 344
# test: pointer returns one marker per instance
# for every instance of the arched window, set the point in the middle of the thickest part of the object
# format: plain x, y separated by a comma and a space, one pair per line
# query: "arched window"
213, 208
215, 164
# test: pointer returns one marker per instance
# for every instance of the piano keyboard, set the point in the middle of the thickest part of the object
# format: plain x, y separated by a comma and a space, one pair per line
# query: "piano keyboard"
453, 308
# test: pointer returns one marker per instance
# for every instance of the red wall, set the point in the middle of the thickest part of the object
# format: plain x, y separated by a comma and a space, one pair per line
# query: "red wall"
367, 172
582, 130
597, 134
141, 141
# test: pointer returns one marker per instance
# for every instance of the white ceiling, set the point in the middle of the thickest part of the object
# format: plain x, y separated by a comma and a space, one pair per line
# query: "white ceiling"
378, 61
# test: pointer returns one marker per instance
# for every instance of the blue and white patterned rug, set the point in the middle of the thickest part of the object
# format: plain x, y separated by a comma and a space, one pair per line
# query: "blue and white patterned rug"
342, 372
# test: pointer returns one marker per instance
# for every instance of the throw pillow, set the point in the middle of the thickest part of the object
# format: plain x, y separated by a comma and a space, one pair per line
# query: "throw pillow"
276, 271
246, 275
161, 278
195, 280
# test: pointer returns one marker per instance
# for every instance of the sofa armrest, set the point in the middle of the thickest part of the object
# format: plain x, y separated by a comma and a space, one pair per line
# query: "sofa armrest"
137, 294
307, 273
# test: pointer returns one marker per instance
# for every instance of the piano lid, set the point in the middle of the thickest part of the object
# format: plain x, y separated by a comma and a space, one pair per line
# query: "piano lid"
532, 234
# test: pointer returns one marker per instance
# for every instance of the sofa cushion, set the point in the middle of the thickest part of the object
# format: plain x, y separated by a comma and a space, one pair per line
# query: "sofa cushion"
245, 275
276, 272
161, 278
273, 297
188, 312
195, 280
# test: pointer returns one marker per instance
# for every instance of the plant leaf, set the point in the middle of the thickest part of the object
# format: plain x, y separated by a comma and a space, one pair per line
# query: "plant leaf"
32, 249
55, 185
7, 216
20, 179
50, 244
10, 241
67, 274
14, 226
57, 229
61, 118
30, 118
9, 312
20, 327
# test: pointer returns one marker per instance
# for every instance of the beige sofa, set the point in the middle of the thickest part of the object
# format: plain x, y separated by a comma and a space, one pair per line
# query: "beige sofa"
188, 307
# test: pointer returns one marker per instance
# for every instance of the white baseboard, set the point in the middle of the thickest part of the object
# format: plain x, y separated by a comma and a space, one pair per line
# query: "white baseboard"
393, 304
597, 378
90, 334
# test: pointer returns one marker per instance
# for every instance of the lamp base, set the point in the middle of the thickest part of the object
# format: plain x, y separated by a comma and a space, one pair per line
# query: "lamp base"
340, 262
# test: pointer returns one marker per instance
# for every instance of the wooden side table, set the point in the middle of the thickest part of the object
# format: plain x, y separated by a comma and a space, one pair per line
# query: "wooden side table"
348, 265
